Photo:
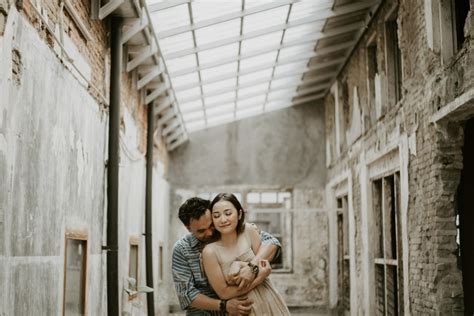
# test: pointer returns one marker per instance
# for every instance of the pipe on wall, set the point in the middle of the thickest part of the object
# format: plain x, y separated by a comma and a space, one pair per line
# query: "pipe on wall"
148, 209
113, 167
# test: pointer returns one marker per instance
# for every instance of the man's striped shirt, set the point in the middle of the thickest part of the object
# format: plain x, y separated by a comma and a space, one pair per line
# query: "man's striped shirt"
189, 279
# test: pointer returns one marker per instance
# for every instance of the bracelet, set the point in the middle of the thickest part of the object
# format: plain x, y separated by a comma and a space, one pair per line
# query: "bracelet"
255, 269
223, 306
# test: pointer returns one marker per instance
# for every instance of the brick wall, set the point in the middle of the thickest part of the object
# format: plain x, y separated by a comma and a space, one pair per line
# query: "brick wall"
435, 158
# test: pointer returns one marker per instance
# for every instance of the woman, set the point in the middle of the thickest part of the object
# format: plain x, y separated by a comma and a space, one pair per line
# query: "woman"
235, 244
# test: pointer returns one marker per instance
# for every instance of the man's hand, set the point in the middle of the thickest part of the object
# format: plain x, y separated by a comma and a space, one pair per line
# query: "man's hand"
245, 277
239, 306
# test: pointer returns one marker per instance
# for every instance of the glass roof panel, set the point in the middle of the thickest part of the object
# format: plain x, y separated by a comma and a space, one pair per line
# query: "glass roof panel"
181, 63
286, 81
190, 106
217, 32
265, 19
263, 87
253, 101
205, 9
181, 95
177, 42
223, 84
215, 54
298, 32
282, 94
170, 18
282, 69
194, 126
248, 79
304, 9
224, 97
208, 74
248, 112
261, 42
185, 79
193, 116
224, 109
220, 119
262, 74
250, 63
288, 52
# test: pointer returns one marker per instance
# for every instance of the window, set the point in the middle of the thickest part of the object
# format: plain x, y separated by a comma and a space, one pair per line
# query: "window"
269, 199
160, 259
445, 21
393, 59
387, 246
343, 254
268, 210
133, 261
75, 275
372, 70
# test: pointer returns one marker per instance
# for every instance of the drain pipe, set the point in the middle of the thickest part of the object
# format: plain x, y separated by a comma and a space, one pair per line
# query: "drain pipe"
148, 209
113, 167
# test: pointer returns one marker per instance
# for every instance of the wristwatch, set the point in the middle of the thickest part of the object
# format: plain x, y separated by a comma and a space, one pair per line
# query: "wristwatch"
255, 269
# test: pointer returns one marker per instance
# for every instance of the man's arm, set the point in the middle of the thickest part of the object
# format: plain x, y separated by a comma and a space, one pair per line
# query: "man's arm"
269, 249
188, 295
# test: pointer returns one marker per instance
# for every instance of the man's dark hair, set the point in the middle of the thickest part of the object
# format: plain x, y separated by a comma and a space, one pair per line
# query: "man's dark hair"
193, 208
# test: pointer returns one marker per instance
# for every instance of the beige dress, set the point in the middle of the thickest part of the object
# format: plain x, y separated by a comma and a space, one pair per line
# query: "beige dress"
266, 300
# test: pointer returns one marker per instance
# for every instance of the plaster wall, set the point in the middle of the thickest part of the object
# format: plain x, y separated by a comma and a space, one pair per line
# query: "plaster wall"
281, 150
53, 152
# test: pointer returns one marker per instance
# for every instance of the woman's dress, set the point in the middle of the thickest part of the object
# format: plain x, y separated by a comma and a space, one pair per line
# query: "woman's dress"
266, 300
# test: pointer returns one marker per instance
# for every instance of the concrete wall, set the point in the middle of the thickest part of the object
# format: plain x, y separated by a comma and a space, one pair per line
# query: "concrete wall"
280, 150
403, 137
53, 151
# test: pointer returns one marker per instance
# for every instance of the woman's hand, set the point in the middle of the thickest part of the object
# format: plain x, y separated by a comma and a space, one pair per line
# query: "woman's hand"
264, 267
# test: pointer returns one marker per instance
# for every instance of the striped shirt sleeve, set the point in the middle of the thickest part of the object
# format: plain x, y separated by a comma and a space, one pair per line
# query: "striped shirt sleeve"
183, 278
269, 239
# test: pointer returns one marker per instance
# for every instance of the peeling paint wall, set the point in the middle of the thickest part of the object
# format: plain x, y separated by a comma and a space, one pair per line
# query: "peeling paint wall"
427, 156
53, 152
280, 150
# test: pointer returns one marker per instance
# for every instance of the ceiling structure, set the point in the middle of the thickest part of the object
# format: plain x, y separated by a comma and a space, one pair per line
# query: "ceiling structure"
209, 62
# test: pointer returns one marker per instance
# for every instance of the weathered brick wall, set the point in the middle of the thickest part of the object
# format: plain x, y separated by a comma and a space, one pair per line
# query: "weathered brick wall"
435, 158
95, 51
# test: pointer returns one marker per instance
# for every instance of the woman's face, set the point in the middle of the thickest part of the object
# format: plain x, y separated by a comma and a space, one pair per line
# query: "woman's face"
225, 217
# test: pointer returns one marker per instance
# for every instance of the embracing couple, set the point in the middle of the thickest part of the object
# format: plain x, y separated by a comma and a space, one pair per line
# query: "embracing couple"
222, 266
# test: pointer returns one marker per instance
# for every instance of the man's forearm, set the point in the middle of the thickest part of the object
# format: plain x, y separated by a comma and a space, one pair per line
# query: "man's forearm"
205, 302
266, 252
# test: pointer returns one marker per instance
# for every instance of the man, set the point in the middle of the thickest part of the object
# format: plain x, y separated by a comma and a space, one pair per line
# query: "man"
194, 293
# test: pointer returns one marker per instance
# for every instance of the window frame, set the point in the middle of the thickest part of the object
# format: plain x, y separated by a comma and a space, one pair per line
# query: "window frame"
78, 236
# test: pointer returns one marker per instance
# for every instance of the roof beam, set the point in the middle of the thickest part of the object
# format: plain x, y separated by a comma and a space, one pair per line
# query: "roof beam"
166, 103
144, 54
138, 26
155, 7
313, 37
292, 103
108, 8
155, 72
170, 127
168, 116
156, 93
320, 17
177, 143
257, 82
224, 18
301, 57
260, 93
